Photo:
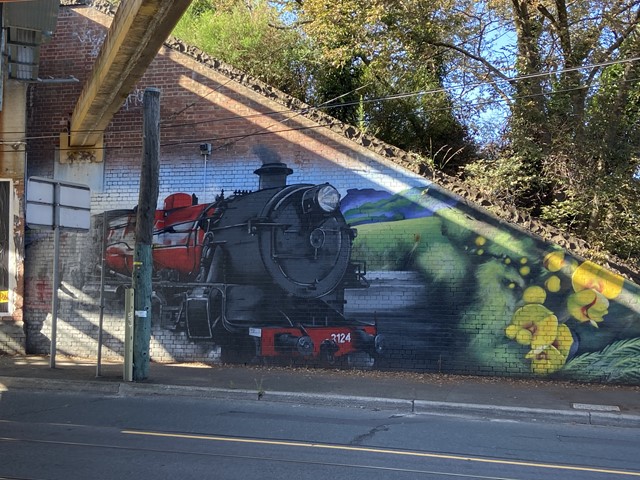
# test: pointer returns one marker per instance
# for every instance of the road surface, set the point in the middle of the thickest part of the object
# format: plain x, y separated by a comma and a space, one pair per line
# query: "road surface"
59, 436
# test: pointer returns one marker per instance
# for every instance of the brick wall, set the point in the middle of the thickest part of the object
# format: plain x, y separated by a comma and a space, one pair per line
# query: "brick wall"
12, 168
452, 288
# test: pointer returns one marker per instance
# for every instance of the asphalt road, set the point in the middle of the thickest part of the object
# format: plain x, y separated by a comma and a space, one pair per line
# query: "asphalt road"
86, 436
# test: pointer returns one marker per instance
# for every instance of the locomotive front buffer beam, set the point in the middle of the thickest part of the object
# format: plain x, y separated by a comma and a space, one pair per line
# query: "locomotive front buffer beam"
326, 343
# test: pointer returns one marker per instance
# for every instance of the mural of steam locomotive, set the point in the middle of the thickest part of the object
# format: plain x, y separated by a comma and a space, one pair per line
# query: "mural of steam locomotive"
264, 271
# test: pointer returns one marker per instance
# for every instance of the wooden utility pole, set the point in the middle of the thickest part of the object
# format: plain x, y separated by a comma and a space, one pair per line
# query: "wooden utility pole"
142, 255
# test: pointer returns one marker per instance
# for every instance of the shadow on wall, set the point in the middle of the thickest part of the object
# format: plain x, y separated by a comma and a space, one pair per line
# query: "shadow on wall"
12, 338
450, 288
451, 292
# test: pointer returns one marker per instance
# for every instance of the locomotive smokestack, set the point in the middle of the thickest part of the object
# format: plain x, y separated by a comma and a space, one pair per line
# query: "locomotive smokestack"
273, 175
273, 172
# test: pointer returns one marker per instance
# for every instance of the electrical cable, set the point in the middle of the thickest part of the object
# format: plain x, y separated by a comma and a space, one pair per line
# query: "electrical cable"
327, 104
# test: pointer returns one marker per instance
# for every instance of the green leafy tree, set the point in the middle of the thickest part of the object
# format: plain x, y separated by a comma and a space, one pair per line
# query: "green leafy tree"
251, 36
567, 75
423, 74
379, 55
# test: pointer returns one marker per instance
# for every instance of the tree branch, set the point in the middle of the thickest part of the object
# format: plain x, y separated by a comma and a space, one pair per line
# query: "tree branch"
615, 45
293, 26
546, 13
473, 56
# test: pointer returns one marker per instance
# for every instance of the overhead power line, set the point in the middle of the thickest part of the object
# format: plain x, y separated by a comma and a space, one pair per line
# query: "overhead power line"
264, 131
328, 104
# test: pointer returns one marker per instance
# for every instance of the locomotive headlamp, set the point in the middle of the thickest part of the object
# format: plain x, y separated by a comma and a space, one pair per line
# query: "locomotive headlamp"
328, 198
325, 197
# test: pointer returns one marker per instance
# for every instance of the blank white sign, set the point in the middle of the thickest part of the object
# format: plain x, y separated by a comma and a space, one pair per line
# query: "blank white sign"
71, 209
40, 215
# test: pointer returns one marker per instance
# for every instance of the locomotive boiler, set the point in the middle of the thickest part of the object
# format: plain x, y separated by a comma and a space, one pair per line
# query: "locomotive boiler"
269, 266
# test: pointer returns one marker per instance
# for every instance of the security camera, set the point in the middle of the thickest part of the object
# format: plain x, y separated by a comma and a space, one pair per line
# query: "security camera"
205, 149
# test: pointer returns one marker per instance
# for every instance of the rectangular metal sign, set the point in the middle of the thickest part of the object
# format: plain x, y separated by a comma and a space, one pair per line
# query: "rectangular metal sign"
54, 203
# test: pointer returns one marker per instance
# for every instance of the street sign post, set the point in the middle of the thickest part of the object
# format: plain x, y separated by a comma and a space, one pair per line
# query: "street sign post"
56, 205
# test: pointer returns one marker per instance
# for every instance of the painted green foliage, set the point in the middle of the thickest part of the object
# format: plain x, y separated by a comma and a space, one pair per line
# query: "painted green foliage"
514, 305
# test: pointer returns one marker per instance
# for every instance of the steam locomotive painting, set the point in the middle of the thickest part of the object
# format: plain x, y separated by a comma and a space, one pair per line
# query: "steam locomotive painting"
267, 268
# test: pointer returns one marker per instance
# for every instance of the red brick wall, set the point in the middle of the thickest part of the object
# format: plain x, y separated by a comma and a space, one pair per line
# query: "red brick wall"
198, 105
448, 282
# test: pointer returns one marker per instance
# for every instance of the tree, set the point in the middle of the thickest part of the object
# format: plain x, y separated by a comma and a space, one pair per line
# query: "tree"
422, 74
251, 36
568, 76
379, 55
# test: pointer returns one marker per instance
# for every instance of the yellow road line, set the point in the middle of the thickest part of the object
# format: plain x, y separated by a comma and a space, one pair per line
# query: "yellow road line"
410, 453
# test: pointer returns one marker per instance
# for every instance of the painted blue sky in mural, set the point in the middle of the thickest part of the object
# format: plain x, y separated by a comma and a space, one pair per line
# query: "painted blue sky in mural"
368, 205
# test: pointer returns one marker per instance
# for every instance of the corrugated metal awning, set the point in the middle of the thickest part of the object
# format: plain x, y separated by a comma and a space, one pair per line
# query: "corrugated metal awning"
40, 15
23, 53
28, 24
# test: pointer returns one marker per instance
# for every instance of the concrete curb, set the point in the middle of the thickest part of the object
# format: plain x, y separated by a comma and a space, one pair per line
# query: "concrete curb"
530, 414
351, 401
405, 406
127, 389
320, 399
506, 412
614, 420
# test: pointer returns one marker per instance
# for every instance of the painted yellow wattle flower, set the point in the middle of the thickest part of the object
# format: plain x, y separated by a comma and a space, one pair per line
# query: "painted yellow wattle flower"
546, 332
534, 294
533, 324
564, 340
592, 276
550, 358
588, 306
519, 334
546, 359
550, 341
553, 261
530, 313
553, 283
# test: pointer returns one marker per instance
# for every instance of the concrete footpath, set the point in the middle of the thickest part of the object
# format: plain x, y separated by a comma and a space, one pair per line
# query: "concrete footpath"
485, 397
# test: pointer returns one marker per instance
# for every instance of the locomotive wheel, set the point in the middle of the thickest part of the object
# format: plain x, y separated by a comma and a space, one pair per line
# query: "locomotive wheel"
328, 349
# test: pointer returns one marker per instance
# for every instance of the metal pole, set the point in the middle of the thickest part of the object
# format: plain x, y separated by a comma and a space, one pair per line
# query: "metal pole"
127, 373
204, 193
56, 274
101, 321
